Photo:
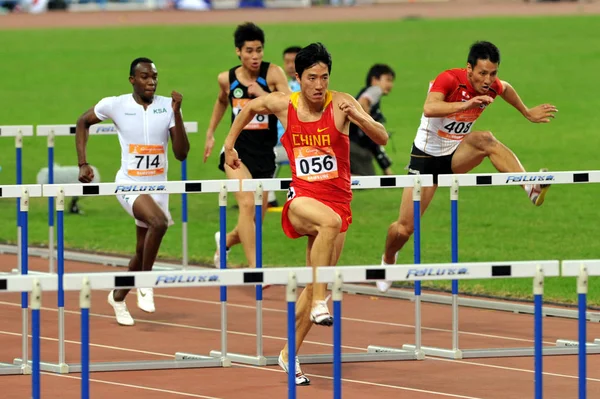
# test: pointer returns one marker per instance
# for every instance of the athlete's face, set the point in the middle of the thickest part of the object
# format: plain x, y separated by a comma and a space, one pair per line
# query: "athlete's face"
482, 75
251, 55
145, 81
386, 82
289, 66
314, 82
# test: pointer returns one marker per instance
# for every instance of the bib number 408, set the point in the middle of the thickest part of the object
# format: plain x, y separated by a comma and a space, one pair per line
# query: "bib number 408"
458, 127
316, 165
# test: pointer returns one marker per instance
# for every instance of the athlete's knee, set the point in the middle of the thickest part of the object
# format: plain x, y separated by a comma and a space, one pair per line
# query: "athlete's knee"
485, 141
330, 225
158, 223
246, 204
405, 229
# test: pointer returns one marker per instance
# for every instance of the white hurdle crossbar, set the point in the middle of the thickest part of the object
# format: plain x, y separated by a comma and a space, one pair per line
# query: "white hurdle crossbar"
60, 191
358, 182
51, 131
455, 181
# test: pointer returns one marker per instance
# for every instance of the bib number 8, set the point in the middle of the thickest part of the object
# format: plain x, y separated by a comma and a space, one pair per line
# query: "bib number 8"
317, 165
143, 161
257, 118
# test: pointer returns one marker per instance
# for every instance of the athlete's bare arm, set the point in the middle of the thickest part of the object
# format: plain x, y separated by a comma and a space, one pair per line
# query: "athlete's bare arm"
540, 114
181, 145
273, 103
437, 107
276, 80
89, 118
218, 111
361, 118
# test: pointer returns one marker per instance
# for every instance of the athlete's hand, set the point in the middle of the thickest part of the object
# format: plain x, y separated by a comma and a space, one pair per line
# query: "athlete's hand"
542, 113
208, 146
349, 109
478, 101
254, 90
86, 173
232, 159
177, 98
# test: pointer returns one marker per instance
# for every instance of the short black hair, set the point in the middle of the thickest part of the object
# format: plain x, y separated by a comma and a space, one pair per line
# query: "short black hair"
377, 70
311, 55
140, 60
292, 50
248, 32
483, 51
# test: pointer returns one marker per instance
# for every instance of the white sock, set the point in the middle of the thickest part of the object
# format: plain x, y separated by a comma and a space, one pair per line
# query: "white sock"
395, 259
528, 188
271, 196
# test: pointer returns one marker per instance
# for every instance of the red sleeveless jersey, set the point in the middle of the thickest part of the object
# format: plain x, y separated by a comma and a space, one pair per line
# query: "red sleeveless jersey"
319, 155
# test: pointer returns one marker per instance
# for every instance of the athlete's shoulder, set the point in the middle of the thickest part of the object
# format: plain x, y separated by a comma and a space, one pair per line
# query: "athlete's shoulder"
458, 75
117, 100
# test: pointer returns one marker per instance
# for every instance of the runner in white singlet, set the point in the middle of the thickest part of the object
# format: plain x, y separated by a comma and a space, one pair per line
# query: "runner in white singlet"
144, 123
446, 142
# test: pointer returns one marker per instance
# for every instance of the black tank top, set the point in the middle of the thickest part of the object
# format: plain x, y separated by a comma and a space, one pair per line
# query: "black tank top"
260, 135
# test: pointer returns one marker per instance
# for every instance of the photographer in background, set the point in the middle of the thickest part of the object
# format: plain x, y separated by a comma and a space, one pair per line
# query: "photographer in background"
379, 83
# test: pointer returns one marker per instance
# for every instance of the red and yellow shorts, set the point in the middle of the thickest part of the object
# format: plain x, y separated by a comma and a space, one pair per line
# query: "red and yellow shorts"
343, 210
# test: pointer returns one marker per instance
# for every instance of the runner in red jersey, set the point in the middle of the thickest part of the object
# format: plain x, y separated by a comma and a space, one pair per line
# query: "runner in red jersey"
316, 140
446, 143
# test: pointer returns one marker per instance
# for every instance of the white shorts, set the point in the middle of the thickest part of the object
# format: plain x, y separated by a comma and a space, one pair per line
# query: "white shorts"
162, 200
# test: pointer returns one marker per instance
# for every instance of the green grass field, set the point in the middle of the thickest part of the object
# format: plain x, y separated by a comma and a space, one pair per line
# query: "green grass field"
52, 76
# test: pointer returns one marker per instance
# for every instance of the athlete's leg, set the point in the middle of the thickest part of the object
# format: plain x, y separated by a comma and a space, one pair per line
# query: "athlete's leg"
304, 303
244, 231
313, 218
478, 145
135, 264
146, 210
400, 231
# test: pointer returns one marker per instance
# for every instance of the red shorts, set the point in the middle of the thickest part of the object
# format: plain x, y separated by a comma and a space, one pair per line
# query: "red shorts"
343, 210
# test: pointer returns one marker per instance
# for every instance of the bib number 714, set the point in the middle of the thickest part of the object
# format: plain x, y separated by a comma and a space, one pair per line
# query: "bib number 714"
143, 161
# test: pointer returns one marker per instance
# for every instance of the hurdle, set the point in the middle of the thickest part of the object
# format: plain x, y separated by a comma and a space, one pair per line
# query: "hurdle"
106, 189
85, 282
18, 132
22, 193
51, 131
358, 182
291, 277
498, 179
536, 270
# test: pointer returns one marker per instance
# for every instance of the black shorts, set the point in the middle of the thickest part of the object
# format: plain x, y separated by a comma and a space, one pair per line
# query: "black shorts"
261, 166
425, 164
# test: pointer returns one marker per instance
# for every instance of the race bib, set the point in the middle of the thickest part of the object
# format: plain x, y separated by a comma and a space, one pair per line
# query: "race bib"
315, 163
259, 122
146, 160
454, 130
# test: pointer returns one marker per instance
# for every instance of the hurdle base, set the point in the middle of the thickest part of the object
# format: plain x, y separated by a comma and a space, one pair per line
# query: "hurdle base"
349, 358
44, 366
567, 343
242, 359
13, 369
381, 350
205, 361
186, 357
505, 352
437, 352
